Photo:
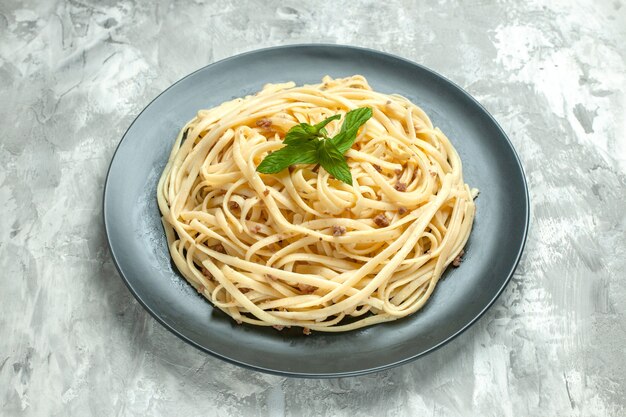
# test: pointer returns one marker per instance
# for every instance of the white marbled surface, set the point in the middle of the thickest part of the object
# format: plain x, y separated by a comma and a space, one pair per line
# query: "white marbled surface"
74, 74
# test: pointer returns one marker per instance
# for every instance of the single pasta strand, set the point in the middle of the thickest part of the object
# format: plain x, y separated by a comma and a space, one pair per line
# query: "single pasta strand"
300, 248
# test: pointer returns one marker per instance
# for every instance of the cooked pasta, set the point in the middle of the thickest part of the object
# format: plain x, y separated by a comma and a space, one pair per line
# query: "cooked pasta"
300, 248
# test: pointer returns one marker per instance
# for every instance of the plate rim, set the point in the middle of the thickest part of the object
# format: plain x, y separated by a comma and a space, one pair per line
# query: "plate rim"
339, 374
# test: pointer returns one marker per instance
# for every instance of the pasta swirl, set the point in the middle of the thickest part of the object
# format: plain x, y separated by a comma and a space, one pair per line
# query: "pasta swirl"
300, 248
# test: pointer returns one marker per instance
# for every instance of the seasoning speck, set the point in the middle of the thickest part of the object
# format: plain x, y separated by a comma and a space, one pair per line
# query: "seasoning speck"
264, 123
400, 186
457, 261
338, 230
381, 220
307, 289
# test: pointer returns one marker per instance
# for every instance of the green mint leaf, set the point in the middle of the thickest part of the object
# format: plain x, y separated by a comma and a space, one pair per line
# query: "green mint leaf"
301, 153
309, 144
300, 133
303, 132
353, 121
333, 161
324, 122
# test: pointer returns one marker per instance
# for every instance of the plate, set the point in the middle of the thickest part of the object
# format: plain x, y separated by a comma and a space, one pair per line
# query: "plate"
139, 250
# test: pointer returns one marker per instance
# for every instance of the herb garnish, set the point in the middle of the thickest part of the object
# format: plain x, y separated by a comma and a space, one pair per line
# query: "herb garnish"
310, 144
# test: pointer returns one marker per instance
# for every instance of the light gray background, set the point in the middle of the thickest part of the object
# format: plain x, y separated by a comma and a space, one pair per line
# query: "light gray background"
74, 74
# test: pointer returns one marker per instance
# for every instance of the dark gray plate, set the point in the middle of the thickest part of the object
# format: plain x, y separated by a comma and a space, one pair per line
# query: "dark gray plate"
138, 244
